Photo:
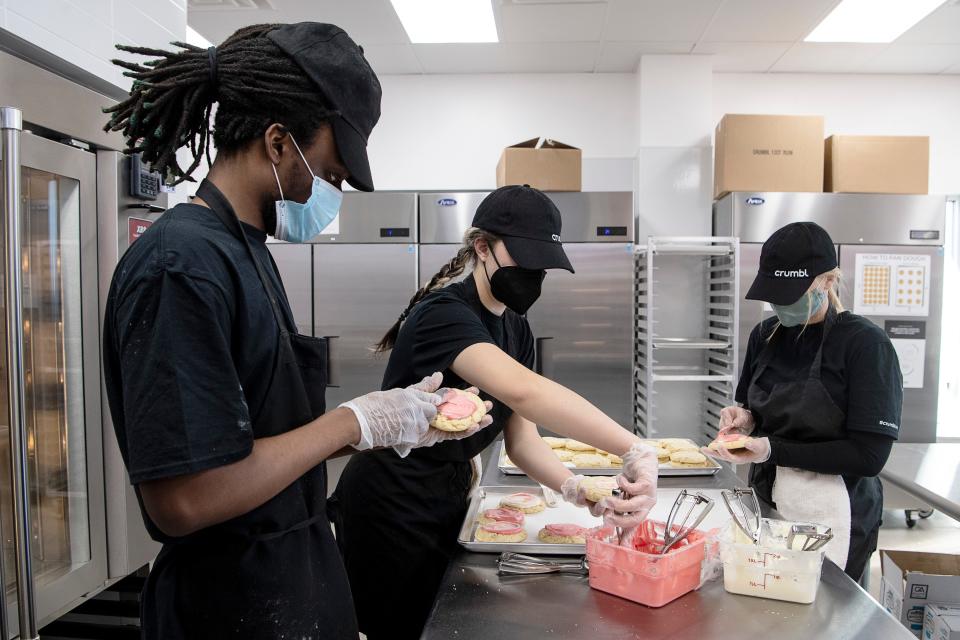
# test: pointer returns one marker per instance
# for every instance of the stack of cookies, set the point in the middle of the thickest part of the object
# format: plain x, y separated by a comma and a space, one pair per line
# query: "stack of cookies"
582, 455
679, 453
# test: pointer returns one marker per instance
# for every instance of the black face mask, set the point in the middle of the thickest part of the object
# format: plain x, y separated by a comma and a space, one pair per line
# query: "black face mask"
516, 287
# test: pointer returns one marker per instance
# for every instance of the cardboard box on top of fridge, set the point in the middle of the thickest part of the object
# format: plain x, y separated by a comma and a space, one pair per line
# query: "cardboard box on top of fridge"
941, 622
876, 164
548, 165
768, 153
912, 580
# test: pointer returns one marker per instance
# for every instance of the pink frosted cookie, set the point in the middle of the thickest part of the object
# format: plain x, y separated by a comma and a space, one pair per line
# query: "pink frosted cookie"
511, 516
730, 441
459, 411
525, 502
563, 534
500, 532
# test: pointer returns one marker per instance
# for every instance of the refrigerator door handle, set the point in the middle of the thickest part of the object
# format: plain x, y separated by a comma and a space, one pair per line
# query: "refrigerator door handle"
11, 126
333, 364
540, 359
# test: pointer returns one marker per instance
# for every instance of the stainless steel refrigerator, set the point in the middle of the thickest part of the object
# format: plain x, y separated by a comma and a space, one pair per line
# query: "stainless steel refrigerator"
890, 250
582, 322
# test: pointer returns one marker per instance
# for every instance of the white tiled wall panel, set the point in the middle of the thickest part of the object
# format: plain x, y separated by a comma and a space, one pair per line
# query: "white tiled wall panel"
83, 32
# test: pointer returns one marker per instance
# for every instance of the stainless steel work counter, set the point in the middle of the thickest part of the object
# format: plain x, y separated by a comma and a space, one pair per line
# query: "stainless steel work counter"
931, 472
474, 602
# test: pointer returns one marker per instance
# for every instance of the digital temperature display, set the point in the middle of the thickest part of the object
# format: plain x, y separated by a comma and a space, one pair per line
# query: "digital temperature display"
611, 231
394, 232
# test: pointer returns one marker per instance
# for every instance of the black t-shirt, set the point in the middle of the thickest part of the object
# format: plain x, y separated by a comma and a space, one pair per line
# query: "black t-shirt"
438, 329
190, 342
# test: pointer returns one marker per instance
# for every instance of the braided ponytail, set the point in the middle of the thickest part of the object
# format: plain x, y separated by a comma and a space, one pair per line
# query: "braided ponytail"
441, 278
253, 82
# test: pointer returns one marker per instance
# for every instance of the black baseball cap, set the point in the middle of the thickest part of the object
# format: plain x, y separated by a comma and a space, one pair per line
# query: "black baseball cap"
529, 224
790, 260
336, 64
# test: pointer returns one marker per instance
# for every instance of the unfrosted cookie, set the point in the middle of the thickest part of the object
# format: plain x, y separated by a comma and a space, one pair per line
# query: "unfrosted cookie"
563, 534
615, 460
590, 461
678, 444
663, 455
500, 532
459, 411
502, 515
687, 458
565, 455
597, 488
555, 443
576, 445
525, 502
730, 441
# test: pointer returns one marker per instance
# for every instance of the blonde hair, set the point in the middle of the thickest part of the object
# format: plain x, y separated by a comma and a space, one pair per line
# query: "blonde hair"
833, 296
466, 255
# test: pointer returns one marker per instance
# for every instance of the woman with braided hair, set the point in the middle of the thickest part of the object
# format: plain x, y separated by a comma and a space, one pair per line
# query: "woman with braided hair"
217, 403
397, 519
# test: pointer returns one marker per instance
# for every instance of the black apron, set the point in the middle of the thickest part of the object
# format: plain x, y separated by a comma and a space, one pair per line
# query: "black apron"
804, 411
273, 572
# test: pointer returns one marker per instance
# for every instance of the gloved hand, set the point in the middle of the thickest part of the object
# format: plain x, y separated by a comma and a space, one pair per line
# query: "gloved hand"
639, 485
574, 493
736, 420
756, 450
433, 436
396, 417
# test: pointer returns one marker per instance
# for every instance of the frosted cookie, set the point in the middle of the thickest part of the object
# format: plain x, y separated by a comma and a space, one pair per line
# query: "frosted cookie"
565, 455
563, 534
678, 444
615, 460
688, 459
500, 532
597, 488
511, 516
576, 445
730, 441
555, 443
590, 461
459, 411
525, 502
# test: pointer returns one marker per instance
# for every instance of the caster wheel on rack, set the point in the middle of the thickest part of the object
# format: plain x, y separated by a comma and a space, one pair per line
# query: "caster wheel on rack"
925, 513
911, 521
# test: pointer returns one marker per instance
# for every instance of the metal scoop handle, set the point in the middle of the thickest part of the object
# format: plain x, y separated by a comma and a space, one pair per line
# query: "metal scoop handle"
746, 517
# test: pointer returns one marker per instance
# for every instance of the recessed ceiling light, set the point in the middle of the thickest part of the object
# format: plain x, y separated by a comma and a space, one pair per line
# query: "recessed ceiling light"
435, 21
871, 20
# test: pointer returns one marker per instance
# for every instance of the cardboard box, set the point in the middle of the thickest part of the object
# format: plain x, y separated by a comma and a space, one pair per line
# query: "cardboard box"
546, 164
876, 164
940, 622
768, 153
912, 580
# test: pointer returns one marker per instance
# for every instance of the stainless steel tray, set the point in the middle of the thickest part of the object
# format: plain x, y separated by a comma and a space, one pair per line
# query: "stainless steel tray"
666, 470
489, 498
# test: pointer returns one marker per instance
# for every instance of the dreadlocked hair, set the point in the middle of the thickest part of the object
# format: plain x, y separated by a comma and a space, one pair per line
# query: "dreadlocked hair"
466, 255
252, 81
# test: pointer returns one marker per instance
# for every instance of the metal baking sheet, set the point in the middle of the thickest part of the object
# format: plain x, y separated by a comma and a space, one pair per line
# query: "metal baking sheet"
490, 497
666, 470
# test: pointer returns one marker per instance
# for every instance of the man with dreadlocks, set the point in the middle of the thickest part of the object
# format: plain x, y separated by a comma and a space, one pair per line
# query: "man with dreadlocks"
217, 402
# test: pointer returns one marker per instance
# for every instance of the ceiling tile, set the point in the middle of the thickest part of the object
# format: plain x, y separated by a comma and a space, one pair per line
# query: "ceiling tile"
568, 57
940, 27
743, 57
392, 59
818, 57
657, 20
914, 58
766, 20
623, 57
551, 22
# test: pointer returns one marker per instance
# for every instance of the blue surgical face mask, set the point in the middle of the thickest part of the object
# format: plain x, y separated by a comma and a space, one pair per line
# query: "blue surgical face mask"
298, 222
799, 312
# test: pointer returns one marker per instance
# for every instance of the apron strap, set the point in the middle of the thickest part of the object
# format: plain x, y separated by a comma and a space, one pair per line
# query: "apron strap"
224, 211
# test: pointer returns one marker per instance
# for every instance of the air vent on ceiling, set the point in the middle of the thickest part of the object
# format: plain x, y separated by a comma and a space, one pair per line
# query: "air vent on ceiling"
229, 5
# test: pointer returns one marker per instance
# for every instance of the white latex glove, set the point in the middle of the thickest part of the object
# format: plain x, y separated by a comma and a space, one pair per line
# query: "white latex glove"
397, 417
574, 493
736, 420
756, 450
639, 484
433, 436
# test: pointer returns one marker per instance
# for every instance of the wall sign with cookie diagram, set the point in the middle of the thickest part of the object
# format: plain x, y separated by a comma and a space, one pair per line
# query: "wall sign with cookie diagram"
889, 284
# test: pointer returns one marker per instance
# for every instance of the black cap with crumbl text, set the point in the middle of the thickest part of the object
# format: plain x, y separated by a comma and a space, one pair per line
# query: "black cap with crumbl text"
336, 64
790, 260
529, 224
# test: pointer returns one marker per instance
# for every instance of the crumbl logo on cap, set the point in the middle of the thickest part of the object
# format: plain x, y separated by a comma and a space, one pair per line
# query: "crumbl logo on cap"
793, 273
556, 237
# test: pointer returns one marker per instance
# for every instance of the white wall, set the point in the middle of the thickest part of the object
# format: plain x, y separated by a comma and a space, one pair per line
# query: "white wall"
83, 32
859, 104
